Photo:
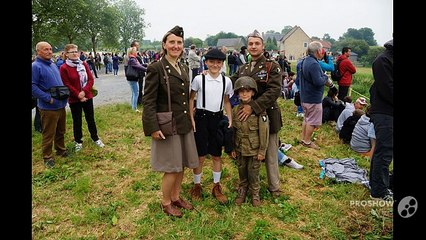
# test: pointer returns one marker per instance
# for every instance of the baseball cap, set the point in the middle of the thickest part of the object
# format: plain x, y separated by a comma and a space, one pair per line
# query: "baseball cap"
361, 101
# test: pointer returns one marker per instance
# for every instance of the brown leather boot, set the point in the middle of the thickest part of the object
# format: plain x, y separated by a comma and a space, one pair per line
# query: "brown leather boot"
180, 203
241, 197
275, 194
217, 193
196, 192
171, 210
255, 200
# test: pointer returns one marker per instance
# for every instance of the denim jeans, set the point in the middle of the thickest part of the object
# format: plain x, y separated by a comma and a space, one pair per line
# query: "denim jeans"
281, 157
134, 86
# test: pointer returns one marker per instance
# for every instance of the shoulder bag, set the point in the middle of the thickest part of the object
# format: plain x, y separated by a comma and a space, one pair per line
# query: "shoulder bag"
59, 92
166, 121
131, 72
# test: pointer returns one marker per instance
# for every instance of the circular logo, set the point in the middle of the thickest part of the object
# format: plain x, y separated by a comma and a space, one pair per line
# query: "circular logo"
407, 207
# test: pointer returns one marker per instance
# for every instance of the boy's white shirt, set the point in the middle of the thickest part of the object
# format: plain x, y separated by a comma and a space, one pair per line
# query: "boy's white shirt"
213, 91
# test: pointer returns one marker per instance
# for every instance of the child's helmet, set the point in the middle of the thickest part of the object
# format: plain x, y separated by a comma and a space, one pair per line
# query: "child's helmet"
245, 82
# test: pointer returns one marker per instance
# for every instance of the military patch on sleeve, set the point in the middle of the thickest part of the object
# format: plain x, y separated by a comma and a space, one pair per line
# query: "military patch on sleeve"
278, 70
264, 118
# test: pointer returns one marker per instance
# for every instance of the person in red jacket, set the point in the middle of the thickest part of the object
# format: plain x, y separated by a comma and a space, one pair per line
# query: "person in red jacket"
346, 68
77, 76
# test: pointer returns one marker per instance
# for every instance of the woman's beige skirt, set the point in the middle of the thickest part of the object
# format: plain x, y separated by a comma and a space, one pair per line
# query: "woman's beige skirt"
174, 153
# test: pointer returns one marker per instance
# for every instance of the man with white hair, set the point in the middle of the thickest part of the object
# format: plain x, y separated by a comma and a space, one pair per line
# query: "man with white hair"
311, 84
45, 74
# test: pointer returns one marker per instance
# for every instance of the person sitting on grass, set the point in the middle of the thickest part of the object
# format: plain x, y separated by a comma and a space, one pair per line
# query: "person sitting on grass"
363, 136
360, 103
331, 106
283, 159
345, 133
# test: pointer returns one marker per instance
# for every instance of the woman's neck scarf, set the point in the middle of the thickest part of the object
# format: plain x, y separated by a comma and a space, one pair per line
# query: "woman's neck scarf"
81, 70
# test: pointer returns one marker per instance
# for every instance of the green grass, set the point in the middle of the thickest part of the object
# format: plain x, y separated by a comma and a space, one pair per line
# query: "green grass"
112, 193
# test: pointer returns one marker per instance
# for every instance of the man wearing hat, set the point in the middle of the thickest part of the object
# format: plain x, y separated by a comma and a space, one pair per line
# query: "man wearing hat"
360, 103
213, 90
267, 75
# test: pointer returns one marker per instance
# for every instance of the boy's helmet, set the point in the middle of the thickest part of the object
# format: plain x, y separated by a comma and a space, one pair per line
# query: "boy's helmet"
245, 82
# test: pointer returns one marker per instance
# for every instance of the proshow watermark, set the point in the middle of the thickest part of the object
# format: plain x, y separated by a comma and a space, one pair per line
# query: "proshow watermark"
370, 203
407, 207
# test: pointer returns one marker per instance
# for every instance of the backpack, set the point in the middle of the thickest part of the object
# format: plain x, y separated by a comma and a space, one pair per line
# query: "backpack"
336, 74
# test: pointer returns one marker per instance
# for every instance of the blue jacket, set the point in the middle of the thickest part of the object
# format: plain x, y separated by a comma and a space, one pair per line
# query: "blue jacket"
327, 66
45, 74
311, 82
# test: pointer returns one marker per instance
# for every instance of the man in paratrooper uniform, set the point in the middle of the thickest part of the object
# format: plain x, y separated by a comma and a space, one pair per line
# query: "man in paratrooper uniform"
267, 74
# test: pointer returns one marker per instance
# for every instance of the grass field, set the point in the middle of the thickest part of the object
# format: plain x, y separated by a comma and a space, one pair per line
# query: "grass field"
111, 193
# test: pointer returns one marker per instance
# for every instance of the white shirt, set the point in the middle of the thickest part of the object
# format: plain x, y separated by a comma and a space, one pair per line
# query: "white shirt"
213, 91
347, 112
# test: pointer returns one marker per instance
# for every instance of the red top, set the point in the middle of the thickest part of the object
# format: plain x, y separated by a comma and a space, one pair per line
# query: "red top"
71, 79
346, 68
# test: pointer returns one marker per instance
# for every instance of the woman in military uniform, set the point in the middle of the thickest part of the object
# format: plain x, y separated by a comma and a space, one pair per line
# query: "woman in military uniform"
170, 154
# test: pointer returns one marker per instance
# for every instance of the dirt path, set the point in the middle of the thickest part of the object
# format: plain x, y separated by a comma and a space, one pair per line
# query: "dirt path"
112, 89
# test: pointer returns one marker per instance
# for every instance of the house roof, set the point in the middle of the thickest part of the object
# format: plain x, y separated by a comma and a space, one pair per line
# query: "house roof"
229, 42
291, 32
275, 36
325, 44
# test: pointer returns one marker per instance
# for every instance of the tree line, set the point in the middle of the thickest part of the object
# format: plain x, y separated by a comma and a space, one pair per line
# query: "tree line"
112, 26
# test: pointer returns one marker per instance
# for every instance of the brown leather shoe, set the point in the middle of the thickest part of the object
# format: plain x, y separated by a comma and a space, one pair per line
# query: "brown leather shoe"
275, 194
196, 192
63, 153
255, 200
180, 203
171, 210
217, 193
241, 197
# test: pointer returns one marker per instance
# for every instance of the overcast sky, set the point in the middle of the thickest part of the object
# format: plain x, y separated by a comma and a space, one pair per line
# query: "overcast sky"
200, 19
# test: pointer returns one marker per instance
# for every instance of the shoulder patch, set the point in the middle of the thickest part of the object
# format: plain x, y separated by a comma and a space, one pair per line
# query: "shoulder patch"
264, 118
278, 70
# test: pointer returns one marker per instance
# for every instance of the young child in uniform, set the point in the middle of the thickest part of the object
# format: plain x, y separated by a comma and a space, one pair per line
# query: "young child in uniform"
250, 142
